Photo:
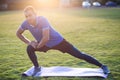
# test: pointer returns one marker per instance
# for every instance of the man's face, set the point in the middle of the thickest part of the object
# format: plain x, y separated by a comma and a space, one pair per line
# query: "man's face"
30, 17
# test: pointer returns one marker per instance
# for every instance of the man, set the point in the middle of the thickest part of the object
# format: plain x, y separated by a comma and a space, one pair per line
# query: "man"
47, 38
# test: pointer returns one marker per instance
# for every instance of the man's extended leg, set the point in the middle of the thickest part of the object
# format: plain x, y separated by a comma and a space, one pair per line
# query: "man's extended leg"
65, 46
76, 53
69, 48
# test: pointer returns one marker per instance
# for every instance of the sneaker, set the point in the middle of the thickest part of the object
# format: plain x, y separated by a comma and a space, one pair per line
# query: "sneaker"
105, 69
36, 70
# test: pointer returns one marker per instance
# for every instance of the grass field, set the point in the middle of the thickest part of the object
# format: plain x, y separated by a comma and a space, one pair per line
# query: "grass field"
94, 31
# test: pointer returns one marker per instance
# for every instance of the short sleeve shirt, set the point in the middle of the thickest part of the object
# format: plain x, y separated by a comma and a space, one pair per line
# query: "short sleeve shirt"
42, 24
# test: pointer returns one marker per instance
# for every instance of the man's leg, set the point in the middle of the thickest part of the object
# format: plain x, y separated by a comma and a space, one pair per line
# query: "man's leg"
33, 58
76, 53
65, 46
70, 49
32, 55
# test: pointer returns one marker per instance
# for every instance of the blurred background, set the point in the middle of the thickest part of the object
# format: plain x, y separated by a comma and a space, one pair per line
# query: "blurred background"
20, 4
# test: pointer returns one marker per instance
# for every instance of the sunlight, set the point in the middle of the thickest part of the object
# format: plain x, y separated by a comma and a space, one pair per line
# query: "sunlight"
48, 3
44, 1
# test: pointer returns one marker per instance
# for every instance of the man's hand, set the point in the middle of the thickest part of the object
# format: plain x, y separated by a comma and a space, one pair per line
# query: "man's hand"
34, 44
38, 46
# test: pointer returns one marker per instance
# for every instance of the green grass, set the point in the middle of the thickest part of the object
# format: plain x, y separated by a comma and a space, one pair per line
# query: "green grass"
94, 31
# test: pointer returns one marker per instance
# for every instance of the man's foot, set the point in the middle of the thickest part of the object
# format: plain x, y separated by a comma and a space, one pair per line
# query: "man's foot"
105, 69
24, 75
36, 70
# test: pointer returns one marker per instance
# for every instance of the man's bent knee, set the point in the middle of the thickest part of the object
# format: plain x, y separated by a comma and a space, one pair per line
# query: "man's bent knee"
30, 48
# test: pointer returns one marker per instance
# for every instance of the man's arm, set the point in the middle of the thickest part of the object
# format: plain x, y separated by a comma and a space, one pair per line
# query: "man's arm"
45, 38
22, 37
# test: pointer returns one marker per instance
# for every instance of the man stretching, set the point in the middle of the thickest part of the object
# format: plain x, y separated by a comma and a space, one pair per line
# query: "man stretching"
48, 38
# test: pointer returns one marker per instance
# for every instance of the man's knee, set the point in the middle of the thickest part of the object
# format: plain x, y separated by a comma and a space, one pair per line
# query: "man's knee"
30, 48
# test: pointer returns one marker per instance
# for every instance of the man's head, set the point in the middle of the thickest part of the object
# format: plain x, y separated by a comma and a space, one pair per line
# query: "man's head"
30, 14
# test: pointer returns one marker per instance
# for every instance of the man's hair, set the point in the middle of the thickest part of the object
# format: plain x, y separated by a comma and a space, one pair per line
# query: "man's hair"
30, 8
